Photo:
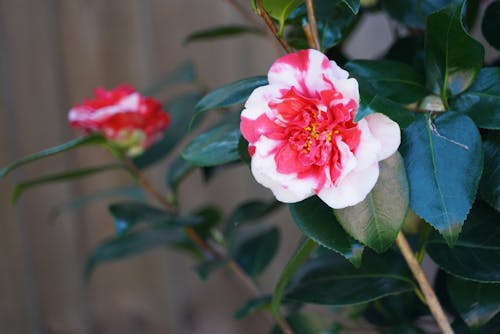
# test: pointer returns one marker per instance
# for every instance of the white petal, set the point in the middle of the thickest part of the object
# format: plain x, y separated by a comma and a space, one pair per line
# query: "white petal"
353, 188
258, 102
387, 133
367, 152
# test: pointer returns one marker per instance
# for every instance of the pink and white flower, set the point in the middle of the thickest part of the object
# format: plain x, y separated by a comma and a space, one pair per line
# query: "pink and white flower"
302, 136
122, 115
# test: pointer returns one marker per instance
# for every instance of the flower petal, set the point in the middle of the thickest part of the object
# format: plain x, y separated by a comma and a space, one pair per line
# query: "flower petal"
387, 132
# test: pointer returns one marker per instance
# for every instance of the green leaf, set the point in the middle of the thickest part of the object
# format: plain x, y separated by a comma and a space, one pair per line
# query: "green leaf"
253, 305
255, 253
280, 10
249, 211
410, 50
413, 13
317, 221
215, 147
181, 110
230, 94
353, 5
185, 73
452, 57
129, 214
491, 25
476, 254
83, 141
301, 323
334, 19
306, 247
177, 171
489, 187
370, 102
476, 302
222, 31
131, 244
243, 151
481, 101
444, 160
61, 177
404, 308
331, 280
377, 220
390, 79
205, 268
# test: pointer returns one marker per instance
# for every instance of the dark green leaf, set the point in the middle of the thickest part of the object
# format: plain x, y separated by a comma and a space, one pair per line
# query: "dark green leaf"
230, 94
61, 177
249, 211
303, 252
222, 31
491, 25
393, 80
476, 302
444, 160
452, 57
393, 310
131, 244
302, 324
353, 5
481, 101
280, 10
334, 20
476, 254
413, 13
253, 305
489, 187
215, 147
207, 216
177, 171
243, 151
255, 253
404, 329
331, 280
181, 110
185, 73
205, 268
83, 141
128, 214
377, 220
317, 221
409, 50
370, 102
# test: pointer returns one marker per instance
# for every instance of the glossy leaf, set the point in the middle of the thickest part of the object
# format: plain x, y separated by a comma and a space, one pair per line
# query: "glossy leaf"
476, 302
331, 280
410, 50
219, 32
377, 220
61, 177
215, 147
476, 254
401, 309
128, 214
452, 57
243, 151
317, 221
334, 20
131, 244
481, 101
83, 141
301, 323
181, 110
185, 73
249, 211
444, 160
255, 253
230, 94
489, 187
370, 102
491, 25
253, 305
177, 171
413, 13
390, 79
353, 5
280, 10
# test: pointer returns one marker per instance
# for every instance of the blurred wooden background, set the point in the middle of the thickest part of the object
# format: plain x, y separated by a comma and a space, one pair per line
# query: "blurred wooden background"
52, 54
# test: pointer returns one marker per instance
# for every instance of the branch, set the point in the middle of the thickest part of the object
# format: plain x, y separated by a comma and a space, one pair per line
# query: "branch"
418, 273
270, 24
313, 27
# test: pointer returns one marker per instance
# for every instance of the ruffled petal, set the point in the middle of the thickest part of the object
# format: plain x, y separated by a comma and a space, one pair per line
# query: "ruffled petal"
387, 133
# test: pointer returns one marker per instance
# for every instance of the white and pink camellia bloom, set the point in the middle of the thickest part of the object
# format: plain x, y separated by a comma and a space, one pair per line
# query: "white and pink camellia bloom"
122, 115
302, 136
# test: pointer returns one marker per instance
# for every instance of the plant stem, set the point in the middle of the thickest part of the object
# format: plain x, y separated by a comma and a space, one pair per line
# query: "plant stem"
200, 242
270, 24
313, 27
428, 292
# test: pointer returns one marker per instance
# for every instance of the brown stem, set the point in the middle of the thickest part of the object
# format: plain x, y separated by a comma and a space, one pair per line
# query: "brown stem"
312, 24
418, 273
270, 24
